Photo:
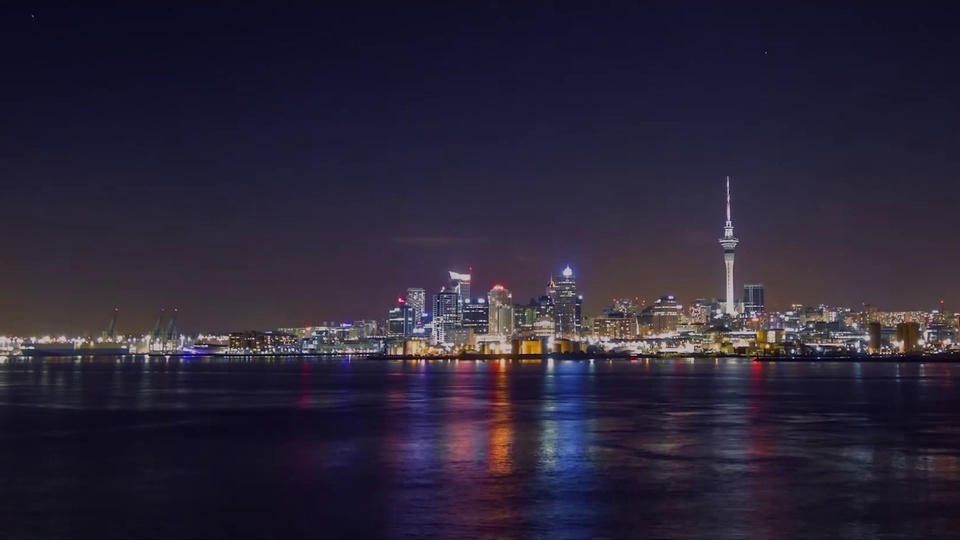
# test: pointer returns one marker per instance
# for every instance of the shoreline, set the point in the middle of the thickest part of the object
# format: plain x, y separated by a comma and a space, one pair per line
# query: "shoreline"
910, 359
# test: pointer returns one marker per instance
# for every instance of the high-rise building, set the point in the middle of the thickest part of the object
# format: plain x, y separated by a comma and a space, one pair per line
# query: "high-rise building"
662, 316
566, 302
545, 322
417, 299
624, 306
753, 299
500, 301
729, 243
617, 325
476, 315
401, 320
447, 312
460, 283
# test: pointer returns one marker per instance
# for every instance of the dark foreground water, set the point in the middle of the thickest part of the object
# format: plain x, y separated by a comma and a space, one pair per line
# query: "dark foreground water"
364, 449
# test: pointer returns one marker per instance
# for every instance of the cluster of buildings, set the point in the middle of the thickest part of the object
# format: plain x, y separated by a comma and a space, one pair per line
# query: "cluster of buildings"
454, 318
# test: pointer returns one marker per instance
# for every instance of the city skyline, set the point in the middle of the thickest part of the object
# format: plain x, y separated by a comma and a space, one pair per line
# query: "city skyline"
339, 155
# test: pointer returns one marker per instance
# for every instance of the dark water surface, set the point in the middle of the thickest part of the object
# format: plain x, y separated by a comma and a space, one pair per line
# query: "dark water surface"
371, 449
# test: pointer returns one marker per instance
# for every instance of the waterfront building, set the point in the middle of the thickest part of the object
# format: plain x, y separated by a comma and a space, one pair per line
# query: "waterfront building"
476, 315
500, 302
625, 306
545, 308
538, 318
447, 313
908, 336
417, 299
460, 283
875, 337
401, 320
753, 303
566, 304
524, 316
615, 326
729, 243
254, 342
702, 311
661, 317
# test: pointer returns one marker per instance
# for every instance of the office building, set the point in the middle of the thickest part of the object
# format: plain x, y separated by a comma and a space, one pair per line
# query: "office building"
524, 316
460, 283
753, 299
476, 315
566, 304
263, 342
624, 306
545, 317
661, 317
447, 312
417, 299
500, 302
401, 320
615, 326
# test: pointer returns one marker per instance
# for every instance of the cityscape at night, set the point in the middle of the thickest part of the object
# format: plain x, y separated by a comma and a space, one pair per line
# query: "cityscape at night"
455, 319
450, 270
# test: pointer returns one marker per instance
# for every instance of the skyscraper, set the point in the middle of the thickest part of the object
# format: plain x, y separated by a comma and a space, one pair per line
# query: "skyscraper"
401, 320
566, 304
460, 283
729, 243
417, 299
661, 316
447, 310
500, 301
476, 315
753, 299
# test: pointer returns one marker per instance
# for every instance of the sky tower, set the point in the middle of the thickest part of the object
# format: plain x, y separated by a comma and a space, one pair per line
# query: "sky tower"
729, 242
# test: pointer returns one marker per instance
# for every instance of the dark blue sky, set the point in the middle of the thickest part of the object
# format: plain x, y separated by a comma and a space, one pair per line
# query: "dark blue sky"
287, 163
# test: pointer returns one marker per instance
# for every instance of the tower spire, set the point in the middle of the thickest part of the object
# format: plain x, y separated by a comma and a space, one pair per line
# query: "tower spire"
729, 221
729, 243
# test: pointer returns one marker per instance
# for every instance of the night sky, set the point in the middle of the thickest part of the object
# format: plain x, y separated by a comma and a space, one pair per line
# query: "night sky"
289, 163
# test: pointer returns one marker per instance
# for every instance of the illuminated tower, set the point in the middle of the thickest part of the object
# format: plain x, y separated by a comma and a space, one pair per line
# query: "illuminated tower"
461, 284
566, 304
500, 301
417, 299
729, 243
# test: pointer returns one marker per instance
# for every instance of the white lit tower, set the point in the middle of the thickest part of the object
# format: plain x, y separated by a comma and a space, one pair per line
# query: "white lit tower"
729, 243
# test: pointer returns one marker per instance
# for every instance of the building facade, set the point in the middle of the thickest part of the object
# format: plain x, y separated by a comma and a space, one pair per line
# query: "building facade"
460, 283
567, 305
753, 303
615, 326
401, 320
500, 302
447, 314
417, 299
255, 342
476, 315
661, 317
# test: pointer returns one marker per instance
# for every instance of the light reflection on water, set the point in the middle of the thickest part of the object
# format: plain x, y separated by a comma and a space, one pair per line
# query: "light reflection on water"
559, 449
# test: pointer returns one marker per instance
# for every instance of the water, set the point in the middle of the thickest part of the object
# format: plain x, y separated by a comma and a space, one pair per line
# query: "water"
368, 449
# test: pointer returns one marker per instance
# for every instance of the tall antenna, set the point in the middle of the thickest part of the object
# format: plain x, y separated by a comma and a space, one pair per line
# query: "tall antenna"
728, 202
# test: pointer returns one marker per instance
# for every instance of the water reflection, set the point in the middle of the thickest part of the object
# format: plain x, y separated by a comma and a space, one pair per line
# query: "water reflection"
501, 431
723, 448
